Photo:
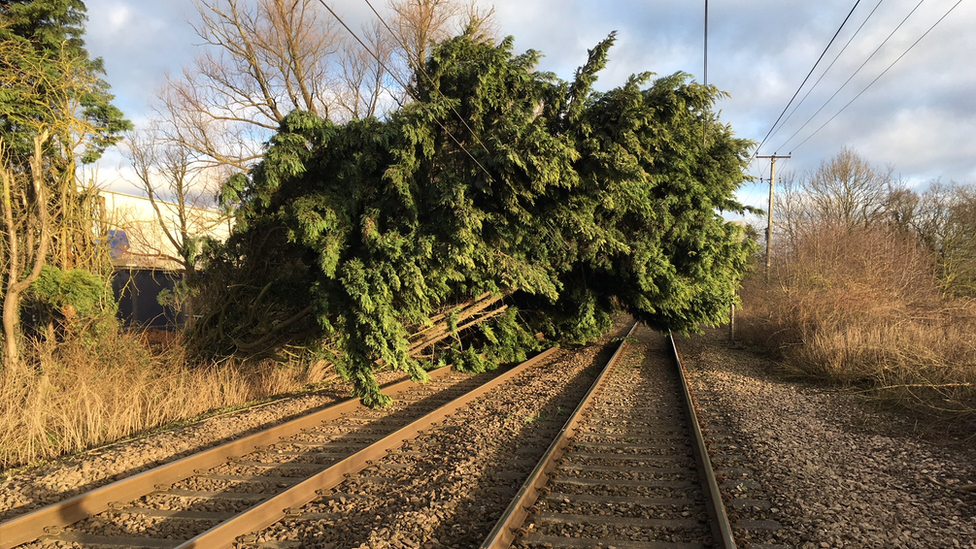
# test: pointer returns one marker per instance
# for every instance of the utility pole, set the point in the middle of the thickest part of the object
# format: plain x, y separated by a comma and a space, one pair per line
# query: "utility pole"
769, 225
705, 76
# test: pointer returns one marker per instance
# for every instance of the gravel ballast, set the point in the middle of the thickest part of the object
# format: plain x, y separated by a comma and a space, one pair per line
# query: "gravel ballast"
447, 488
28, 489
836, 471
839, 472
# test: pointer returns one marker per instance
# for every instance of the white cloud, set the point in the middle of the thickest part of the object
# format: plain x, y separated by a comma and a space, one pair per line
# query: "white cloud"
913, 141
918, 116
119, 17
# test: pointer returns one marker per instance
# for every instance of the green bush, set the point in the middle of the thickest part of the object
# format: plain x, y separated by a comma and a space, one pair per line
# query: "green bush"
81, 302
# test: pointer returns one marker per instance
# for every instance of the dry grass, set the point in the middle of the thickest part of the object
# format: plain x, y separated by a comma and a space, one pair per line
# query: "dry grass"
84, 394
861, 307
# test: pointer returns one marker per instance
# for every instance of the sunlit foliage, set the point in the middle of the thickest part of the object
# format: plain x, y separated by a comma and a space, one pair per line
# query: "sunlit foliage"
575, 204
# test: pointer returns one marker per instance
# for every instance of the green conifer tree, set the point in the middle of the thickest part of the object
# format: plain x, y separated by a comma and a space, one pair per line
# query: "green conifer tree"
54, 29
498, 178
55, 109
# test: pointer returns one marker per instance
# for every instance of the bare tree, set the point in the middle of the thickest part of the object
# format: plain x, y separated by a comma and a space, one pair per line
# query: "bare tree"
945, 220
418, 24
480, 21
265, 59
364, 74
932, 219
791, 208
848, 190
181, 193
27, 227
902, 207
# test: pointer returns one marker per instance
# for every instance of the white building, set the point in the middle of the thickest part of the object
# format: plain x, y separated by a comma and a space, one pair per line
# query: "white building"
138, 238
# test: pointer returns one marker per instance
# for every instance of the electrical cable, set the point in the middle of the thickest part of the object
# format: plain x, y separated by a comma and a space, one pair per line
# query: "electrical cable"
761, 143
855, 73
422, 70
880, 75
824, 73
762, 169
405, 87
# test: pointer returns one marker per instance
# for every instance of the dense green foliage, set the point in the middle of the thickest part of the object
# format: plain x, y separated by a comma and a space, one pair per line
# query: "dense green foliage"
43, 39
498, 178
80, 300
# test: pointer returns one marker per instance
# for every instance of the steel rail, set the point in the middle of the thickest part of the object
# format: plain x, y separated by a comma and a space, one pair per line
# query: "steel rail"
721, 528
270, 511
506, 530
32, 525
503, 534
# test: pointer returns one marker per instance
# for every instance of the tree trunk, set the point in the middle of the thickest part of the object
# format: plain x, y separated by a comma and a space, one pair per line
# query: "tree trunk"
11, 319
16, 286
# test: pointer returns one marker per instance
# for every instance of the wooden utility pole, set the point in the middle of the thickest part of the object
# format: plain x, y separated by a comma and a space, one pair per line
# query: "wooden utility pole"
732, 323
769, 224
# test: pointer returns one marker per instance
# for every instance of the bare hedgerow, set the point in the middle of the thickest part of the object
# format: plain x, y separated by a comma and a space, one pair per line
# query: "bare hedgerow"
862, 306
95, 391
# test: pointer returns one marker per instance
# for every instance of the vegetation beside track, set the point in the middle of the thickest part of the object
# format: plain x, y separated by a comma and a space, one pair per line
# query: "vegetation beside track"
371, 242
877, 295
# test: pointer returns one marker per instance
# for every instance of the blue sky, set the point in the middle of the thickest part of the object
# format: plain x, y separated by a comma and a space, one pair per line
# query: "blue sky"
919, 118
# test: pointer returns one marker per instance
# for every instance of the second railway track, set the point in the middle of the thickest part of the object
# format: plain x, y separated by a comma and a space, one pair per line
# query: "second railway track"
620, 471
630, 469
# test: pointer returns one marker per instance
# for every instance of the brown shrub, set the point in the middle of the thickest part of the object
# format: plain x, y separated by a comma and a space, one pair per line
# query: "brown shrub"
862, 306
83, 393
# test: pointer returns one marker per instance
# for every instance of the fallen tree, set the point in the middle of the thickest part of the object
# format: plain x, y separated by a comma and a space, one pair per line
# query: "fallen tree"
497, 184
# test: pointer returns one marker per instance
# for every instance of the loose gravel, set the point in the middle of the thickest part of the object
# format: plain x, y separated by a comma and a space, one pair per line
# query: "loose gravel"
839, 472
28, 489
447, 488
601, 493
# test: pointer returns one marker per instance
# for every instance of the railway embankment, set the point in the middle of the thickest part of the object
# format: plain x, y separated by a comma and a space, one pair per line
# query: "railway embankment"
840, 471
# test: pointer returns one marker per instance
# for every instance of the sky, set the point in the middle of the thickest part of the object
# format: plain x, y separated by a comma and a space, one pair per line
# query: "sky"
919, 117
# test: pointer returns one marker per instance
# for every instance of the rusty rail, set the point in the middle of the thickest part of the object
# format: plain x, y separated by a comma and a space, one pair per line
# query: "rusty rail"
506, 530
31, 526
721, 528
503, 534
272, 510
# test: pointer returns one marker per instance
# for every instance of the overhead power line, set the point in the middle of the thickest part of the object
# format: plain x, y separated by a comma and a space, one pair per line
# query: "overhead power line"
797, 92
423, 71
406, 88
910, 48
824, 73
855, 73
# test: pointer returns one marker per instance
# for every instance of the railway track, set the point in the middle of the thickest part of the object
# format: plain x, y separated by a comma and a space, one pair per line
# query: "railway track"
612, 462
629, 470
197, 501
